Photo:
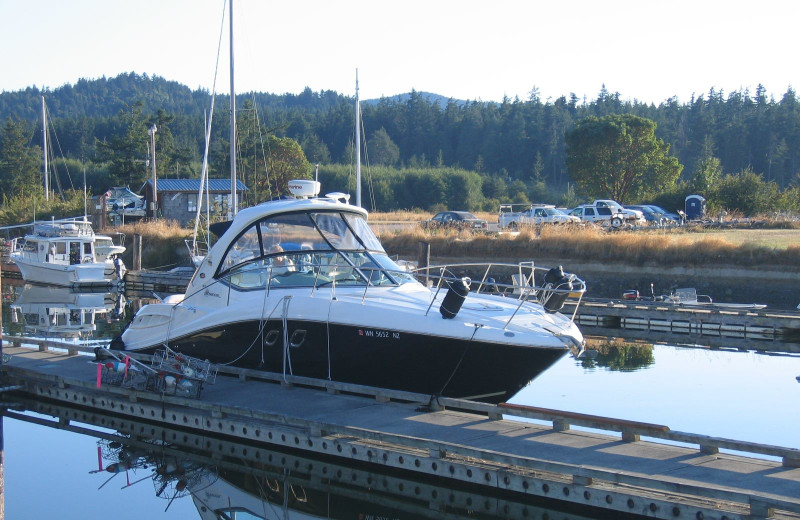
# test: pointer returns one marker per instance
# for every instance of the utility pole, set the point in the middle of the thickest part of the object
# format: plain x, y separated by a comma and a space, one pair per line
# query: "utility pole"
154, 202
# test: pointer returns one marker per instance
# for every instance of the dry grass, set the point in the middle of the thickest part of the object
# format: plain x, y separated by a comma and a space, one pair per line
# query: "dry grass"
160, 229
162, 243
660, 248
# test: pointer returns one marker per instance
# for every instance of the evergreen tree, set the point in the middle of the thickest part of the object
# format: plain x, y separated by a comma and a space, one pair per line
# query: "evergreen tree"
20, 165
382, 149
127, 152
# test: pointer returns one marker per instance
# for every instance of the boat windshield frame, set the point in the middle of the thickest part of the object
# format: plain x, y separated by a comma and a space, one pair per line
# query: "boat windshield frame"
308, 248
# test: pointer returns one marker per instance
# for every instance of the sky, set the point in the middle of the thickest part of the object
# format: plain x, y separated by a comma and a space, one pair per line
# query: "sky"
465, 49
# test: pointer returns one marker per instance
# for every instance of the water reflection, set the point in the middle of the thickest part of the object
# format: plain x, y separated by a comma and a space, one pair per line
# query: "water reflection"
619, 356
61, 312
228, 480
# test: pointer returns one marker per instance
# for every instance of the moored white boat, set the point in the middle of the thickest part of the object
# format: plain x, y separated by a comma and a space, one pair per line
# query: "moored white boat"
67, 253
303, 287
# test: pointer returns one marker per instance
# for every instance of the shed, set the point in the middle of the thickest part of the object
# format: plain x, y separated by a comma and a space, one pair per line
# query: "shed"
177, 198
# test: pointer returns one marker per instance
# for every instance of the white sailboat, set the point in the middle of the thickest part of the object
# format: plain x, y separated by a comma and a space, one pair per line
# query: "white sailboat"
198, 249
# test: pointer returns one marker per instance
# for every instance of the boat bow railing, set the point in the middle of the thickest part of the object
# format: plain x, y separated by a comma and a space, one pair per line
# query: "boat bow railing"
549, 287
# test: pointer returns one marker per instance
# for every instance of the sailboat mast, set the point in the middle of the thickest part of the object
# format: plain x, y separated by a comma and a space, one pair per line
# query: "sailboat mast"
234, 202
44, 152
358, 146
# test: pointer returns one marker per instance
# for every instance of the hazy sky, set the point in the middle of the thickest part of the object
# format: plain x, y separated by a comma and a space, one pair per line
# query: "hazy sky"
464, 49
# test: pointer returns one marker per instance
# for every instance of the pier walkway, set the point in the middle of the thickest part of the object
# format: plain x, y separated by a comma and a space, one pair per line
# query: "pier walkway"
617, 465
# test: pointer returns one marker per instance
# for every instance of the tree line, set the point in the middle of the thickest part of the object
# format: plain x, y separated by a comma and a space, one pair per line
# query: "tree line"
513, 150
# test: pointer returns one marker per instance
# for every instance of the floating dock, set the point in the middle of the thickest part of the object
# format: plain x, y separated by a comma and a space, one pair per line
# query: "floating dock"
713, 326
615, 466
149, 281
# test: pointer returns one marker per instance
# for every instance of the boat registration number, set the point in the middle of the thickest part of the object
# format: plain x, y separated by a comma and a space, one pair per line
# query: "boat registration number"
376, 333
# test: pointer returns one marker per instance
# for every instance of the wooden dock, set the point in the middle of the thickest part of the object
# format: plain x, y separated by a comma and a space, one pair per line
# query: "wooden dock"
717, 327
149, 281
627, 466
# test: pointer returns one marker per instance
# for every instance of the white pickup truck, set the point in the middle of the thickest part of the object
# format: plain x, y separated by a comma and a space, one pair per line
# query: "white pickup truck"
608, 212
512, 218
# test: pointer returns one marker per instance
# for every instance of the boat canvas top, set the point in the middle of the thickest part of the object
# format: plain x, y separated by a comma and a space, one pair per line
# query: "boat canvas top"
63, 228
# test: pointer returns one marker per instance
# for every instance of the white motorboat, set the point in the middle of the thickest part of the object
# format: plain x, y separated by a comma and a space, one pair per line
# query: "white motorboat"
68, 253
123, 203
303, 287
64, 313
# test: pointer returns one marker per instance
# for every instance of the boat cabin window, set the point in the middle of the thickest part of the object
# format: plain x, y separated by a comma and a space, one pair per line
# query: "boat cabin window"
29, 246
292, 232
363, 230
61, 248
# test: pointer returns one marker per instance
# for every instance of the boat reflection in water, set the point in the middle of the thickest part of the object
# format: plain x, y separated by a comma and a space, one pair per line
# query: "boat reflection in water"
62, 312
229, 480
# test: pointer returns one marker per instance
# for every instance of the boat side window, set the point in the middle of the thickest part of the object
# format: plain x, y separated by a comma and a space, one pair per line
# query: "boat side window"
29, 246
245, 248
61, 248
87, 248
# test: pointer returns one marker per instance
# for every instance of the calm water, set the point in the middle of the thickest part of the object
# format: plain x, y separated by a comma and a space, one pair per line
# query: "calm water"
739, 395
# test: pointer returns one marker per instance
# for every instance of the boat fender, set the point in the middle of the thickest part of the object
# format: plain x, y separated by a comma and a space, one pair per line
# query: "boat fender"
115, 367
555, 278
632, 294
457, 291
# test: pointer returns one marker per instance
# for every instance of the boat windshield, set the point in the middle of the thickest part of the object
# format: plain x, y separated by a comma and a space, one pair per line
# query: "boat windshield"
310, 249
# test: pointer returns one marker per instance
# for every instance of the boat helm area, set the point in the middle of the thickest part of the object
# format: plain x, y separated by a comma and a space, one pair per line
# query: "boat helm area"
308, 249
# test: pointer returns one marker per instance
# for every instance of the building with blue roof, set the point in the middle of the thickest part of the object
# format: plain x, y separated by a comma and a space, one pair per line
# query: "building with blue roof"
177, 198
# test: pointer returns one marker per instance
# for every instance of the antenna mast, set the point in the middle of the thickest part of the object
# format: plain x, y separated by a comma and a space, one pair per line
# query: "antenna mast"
234, 202
358, 146
44, 151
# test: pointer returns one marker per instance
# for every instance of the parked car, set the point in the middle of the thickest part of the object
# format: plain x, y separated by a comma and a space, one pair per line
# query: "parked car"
652, 216
532, 214
608, 213
456, 220
668, 214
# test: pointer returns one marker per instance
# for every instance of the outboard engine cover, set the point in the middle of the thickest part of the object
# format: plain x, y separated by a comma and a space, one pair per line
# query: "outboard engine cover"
555, 278
457, 291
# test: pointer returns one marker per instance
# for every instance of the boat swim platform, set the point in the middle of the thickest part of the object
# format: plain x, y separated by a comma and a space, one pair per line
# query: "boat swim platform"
712, 326
610, 464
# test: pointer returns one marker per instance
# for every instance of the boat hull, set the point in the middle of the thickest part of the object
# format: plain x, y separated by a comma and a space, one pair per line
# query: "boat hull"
64, 275
452, 367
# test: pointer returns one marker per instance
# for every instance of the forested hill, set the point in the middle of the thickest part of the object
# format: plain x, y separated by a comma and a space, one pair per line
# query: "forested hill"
512, 140
106, 97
